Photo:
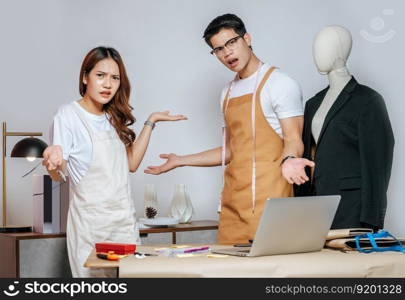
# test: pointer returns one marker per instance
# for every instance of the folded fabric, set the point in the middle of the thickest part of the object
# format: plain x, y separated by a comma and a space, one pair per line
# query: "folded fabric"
349, 244
366, 243
346, 233
375, 247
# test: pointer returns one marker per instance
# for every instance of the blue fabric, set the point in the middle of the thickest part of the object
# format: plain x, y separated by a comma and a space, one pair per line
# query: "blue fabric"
375, 248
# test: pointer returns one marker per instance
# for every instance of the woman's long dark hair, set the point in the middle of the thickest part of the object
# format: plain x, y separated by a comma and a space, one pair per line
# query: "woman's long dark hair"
118, 108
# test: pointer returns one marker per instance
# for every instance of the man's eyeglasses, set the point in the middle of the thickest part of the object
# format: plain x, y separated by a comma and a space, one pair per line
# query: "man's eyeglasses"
230, 45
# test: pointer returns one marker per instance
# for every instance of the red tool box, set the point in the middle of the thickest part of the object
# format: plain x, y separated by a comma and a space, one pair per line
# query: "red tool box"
121, 249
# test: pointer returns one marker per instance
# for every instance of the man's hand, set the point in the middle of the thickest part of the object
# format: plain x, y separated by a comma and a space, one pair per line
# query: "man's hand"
53, 158
293, 170
172, 162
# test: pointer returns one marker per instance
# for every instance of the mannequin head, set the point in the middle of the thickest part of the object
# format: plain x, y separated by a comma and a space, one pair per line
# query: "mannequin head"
331, 48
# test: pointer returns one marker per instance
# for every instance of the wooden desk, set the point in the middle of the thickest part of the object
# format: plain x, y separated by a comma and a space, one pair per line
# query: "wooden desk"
192, 226
325, 263
46, 255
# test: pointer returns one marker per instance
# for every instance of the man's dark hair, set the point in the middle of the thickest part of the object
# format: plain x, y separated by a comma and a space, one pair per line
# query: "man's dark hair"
229, 21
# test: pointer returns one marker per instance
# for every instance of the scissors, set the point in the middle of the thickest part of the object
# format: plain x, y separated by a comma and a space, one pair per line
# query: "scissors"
62, 175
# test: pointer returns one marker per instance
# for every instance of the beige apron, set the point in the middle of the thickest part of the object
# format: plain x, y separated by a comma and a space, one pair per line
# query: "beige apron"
101, 209
238, 219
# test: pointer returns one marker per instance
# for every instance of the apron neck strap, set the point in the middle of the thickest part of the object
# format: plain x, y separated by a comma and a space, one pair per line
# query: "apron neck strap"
82, 118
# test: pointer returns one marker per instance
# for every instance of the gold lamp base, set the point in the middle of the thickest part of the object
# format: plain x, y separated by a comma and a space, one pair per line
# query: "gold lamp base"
15, 229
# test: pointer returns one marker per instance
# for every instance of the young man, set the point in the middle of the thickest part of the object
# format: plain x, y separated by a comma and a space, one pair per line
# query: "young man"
263, 116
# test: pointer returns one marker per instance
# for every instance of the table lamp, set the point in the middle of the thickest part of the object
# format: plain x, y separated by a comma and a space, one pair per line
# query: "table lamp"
30, 148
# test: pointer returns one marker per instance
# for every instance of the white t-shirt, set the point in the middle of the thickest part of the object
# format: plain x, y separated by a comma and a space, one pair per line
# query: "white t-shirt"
280, 98
69, 132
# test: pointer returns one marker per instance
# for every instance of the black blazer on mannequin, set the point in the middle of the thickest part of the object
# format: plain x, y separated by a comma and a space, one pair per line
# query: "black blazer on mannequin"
353, 156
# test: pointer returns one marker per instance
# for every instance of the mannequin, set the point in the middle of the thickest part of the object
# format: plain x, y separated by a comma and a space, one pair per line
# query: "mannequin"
347, 133
331, 50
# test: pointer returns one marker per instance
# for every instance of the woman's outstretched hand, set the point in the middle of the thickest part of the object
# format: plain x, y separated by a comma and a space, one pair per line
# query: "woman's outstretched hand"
165, 116
53, 158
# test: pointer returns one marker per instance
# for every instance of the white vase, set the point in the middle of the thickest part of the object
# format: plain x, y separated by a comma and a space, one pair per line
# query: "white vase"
150, 202
181, 207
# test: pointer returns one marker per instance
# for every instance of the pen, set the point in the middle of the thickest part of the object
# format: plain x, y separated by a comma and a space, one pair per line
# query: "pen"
146, 254
171, 252
190, 250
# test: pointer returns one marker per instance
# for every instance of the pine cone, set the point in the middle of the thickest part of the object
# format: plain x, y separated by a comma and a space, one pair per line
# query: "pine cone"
150, 212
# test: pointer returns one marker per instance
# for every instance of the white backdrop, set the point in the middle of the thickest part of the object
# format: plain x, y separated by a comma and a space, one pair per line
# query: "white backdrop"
43, 43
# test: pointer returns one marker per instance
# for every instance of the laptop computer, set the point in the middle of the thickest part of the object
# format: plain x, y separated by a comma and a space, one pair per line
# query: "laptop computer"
290, 225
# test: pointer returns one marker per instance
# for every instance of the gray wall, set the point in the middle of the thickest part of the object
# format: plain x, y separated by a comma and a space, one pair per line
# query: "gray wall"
44, 41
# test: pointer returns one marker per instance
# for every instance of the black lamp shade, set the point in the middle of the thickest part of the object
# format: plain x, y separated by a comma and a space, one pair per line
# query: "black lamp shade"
29, 147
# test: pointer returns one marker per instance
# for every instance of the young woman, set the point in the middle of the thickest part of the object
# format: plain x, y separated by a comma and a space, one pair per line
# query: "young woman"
93, 142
